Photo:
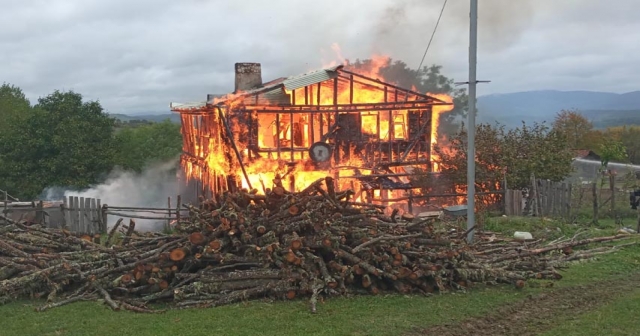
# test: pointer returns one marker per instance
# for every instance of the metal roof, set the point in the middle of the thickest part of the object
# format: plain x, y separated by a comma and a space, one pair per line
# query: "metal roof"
187, 106
309, 78
294, 82
274, 91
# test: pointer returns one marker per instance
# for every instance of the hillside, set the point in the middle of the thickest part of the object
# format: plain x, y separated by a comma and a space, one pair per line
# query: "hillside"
174, 117
604, 109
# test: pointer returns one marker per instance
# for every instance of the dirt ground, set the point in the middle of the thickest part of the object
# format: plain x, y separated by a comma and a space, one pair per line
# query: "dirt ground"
539, 313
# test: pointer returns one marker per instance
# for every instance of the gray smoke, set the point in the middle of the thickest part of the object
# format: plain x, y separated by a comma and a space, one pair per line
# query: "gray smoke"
149, 189
406, 26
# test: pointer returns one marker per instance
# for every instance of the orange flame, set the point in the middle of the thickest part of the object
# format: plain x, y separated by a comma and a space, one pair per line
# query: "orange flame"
436, 111
299, 131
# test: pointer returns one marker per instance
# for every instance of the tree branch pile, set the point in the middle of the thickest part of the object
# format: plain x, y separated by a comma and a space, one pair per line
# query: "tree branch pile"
240, 246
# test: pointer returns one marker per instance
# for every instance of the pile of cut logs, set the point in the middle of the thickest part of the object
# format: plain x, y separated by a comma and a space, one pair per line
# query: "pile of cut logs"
315, 243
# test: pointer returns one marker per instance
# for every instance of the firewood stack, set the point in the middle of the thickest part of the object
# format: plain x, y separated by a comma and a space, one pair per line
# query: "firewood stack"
239, 246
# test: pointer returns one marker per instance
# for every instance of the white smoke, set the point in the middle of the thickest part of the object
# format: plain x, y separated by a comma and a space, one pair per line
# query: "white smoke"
149, 189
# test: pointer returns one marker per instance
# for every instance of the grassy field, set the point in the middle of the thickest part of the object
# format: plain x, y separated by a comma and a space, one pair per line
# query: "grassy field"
617, 318
381, 315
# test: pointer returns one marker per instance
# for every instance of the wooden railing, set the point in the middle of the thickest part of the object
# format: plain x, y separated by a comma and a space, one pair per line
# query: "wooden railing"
85, 215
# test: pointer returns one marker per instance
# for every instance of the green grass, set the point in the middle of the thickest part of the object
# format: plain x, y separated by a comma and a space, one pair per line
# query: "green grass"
548, 228
358, 316
381, 315
617, 318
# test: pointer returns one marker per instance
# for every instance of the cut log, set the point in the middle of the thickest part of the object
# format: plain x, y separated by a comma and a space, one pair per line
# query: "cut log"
178, 254
240, 245
197, 238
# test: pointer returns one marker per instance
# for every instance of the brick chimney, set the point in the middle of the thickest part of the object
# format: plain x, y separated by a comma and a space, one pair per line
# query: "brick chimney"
248, 76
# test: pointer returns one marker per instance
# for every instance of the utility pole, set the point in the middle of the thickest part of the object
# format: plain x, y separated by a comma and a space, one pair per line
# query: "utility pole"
471, 122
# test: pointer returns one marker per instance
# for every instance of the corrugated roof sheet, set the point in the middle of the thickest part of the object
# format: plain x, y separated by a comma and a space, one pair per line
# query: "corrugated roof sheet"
309, 78
295, 82
273, 91
187, 106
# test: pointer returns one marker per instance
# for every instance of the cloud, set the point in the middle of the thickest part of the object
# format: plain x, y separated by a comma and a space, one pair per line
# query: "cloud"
137, 56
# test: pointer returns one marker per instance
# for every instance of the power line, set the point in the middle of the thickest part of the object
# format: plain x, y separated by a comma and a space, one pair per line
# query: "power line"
432, 34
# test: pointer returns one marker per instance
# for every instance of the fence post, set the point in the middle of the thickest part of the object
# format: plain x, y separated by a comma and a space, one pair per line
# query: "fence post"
101, 224
70, 219
168, 224
638, 229
541, 196
594, 193
95, 219
520, 205
39, 214
63, 209
504, 193
540, 187
82, 226
549, 197
553, 186
179, 209
612, 188
104, 209
533, 197
76, 212
569, 200
6, 204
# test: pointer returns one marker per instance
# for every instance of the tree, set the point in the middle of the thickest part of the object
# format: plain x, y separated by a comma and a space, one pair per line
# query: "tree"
61, 141
15, 108
611, 150
517, 153
142, 145
577, 129
629, 137
81, 139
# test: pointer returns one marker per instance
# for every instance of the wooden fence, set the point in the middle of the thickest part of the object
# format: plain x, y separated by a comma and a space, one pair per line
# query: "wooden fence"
83, 215
550, 199
89, 216
513, 203
169, 215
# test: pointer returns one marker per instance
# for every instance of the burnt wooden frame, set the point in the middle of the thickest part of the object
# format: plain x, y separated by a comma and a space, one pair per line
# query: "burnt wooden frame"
413, 150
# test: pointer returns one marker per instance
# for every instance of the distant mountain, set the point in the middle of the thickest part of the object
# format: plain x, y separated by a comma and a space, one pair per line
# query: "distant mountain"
174, 117
604, 109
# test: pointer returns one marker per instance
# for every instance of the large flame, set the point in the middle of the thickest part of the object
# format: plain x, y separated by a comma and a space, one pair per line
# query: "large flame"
436, 111
300, 131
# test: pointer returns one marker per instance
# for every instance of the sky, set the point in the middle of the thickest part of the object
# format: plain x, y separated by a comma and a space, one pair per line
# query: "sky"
136, 57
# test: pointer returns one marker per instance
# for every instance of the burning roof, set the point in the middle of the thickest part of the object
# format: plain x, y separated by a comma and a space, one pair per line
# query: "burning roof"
277, 89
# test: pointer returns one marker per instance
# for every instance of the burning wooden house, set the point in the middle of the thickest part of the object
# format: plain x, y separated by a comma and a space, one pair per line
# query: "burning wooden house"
366, 133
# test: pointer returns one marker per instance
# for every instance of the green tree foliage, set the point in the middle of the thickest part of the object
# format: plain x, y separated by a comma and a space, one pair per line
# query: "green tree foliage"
517, 153
15, 109
13, 105
146, 144
611, 150
81, 149
629, 137
61, 141
65, 141
428, 79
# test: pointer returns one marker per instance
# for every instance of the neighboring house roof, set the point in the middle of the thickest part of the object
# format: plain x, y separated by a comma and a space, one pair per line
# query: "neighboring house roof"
586, 154
580, 153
